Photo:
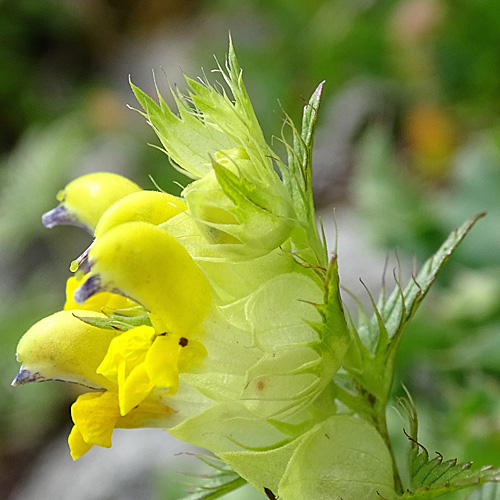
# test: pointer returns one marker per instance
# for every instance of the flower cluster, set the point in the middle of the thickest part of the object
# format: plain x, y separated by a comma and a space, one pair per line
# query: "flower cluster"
215, 315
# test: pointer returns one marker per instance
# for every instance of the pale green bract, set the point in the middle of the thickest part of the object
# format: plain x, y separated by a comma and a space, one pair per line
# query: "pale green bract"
233, 335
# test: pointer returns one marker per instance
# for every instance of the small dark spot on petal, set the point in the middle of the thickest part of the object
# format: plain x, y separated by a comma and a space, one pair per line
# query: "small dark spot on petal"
183, 342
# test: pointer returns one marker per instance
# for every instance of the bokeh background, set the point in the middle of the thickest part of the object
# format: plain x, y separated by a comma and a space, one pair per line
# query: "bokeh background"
408, 146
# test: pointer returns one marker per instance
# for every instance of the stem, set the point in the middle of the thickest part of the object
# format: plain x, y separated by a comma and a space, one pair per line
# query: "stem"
380, 421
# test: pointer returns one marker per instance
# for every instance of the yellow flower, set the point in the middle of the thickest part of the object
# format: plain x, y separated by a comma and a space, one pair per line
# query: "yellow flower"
139, 360
154, 207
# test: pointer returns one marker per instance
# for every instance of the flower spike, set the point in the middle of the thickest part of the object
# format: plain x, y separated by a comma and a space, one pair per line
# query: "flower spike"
218, 315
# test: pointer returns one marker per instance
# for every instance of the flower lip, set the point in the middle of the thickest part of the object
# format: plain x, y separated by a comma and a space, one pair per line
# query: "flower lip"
61, 216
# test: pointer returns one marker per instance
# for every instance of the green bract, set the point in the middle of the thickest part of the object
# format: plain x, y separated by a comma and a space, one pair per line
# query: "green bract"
221, 312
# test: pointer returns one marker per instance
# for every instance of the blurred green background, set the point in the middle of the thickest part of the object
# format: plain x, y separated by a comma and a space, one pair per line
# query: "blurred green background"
408, 143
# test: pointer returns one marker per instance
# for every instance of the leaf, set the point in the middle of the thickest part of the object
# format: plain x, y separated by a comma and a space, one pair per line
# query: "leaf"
371, 358
297, 177
401, 306
264, 469
433, 477
300, 156
187, 140
115, 321
333, 331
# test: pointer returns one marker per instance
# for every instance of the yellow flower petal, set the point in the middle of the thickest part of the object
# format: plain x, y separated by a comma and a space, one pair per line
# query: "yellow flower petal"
154, 207
77, 446
192, 353
169, 355
95, 416
62, 347
162, 362
134, 389
129, 349
152, 412
85, 199
124, 364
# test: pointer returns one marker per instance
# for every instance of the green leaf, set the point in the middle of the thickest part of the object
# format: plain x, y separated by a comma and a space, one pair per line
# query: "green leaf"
340, 457
186, 139
371, 358
263, 469
397, 311
333, 331
213, 122
116, 321
433, 477
297, 177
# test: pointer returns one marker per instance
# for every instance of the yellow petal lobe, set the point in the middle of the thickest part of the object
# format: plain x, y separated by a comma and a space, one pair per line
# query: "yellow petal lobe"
77, 446
134, 389
95, 416
162, 363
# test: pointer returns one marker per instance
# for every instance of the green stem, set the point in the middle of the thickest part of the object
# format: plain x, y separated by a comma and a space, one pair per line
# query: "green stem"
380, 421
